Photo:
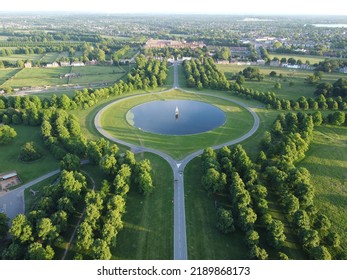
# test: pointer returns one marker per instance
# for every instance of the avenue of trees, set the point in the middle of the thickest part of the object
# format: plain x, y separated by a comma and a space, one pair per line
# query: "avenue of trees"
203, 73
230, 171
283, 146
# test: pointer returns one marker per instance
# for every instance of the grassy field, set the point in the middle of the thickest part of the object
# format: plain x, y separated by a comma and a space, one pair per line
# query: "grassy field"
148, 222
92, 74
23, 57
32, 77
327, 162
6, 74
27, 171
238, 122
203, 239
50, 57
311, 58
298, 88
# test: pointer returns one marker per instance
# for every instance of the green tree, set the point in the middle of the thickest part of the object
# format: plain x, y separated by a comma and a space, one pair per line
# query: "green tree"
291, 204
37, 252
4, 227
100, 250
320, 253
214, 181
309, 238
276, 235
322, 224
108, 165
333, 239
29, 152
7, 134
46, 230
252, 238
70, 162
258, 253
85, 237
225, 221
301, 219
247, 218
21, 229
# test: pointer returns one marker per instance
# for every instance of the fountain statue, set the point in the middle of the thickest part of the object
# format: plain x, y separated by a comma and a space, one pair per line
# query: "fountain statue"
176, 112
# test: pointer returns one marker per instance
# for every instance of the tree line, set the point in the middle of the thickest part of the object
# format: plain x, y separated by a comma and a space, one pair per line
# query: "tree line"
231, 172
282, 147
203, 73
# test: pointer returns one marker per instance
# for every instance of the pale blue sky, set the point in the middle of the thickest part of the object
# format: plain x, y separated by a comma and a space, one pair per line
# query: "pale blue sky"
309, 7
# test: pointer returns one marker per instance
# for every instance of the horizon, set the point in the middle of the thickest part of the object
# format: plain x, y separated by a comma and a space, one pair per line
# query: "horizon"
203, 7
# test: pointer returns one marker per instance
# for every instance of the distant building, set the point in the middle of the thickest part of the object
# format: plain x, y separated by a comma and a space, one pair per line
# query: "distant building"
275, 63
77, 64
343, 70
52, 65
65, 63
8, 180
261, 62
92, 62
28, 65
152, 43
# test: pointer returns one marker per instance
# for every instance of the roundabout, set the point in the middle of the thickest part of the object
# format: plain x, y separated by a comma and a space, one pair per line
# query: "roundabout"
232, 122
241, 123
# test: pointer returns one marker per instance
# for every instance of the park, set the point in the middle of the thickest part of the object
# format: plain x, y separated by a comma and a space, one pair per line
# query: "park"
181, 217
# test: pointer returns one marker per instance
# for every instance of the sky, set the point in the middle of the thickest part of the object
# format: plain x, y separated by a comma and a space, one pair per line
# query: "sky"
249, 7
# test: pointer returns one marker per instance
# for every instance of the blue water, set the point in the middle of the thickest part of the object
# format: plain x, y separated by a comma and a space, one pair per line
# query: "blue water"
159, 117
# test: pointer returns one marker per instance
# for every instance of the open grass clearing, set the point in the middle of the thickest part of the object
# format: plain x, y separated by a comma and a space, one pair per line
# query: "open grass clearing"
8, 73
311, 58
327, 162
238, 122
293, 82
23, 57
32, 77
27, 171
148, 222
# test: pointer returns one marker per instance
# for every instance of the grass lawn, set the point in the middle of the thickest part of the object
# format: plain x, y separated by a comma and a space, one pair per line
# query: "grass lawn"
238, 122
6, 74
296, 76
49, 57
90, 74
24, 57
203, 239
26, 171
148, 222
311, 58
327, 162
31, 77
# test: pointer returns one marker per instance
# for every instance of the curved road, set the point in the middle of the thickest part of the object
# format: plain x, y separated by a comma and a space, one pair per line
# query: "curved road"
180, 239
13, 201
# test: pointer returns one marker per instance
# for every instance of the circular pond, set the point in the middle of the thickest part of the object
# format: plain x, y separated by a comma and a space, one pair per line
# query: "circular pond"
175, 117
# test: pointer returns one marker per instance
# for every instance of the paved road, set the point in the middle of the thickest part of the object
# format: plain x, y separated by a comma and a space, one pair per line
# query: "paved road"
13, 201
180, 237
